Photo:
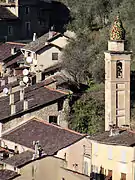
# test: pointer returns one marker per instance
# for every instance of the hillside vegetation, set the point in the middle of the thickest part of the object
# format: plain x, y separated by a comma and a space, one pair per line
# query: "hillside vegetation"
84, 56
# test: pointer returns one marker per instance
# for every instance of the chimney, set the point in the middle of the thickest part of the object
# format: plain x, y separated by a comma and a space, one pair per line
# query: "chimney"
21, 94
11, 102
12, 79
38, 76
13, 109
13, 50
25, 104
11, 98
51, 31
114, 131
34, 37
3, 82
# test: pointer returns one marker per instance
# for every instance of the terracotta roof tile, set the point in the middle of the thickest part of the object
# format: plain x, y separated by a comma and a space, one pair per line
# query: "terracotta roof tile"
19, 159
37, 95
5, 50
7, 174
51, 137
124, 138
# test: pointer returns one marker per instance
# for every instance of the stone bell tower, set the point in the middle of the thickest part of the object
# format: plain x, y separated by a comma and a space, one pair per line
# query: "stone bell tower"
117, 78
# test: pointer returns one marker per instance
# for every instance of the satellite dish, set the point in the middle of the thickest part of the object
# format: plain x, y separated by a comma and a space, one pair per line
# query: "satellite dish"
25, 79
5, 91
29, 59
25, 72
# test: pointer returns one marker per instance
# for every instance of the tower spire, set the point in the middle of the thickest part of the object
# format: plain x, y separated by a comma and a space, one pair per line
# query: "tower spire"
117, 30
117, 78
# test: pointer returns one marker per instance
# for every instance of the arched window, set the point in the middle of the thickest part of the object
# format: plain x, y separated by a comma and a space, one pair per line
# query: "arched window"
118, 69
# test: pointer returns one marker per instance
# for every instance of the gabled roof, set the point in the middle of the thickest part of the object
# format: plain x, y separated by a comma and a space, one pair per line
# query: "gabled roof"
57, 40
37, 96
6, 14
37, 44
7, 174
5, 50
51, 137
123, 138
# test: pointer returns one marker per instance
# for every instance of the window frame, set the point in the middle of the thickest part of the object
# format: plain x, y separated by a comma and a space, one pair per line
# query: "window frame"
53, 120
27, 10
123, 156
29, 26
119, 69
110, 153
10, 31
55, 56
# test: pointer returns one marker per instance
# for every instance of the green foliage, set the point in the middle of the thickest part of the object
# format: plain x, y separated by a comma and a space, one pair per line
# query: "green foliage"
84, 56
88, 116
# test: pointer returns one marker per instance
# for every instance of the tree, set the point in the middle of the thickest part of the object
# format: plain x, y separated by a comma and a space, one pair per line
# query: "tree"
88, 115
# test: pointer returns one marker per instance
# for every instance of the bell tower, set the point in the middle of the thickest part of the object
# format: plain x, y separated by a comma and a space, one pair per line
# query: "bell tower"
117, 78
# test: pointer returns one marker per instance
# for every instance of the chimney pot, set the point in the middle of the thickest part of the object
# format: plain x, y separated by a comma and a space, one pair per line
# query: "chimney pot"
3, 82
34, 37
21, 94
13, 109
13, 50
25, 105
11, 98
38, 76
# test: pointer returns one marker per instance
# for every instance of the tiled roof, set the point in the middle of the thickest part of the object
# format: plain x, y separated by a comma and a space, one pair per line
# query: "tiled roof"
6, 14
124, 138
38, 44
19, 159
13, 84
36, 95
14, 60
51, 137
7, 174
5, 50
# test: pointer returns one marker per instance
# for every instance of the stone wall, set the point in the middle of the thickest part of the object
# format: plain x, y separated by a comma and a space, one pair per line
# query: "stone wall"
43, 113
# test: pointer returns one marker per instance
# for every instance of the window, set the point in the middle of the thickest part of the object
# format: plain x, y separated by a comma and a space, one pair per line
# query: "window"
123, 176
119, 69
53, 119
95, 149
86, 167
123, 156
27, 10
10, 30
110, 173
27, 26
54, 56
110, 153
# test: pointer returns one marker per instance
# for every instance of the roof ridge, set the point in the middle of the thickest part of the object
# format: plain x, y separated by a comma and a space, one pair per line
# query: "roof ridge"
18, 126
50, 124
56, 90
34, 118
131, 131
17, 43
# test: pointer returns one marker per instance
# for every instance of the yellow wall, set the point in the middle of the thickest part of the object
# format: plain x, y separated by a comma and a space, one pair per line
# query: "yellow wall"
75, 154
49, 168
101, 156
